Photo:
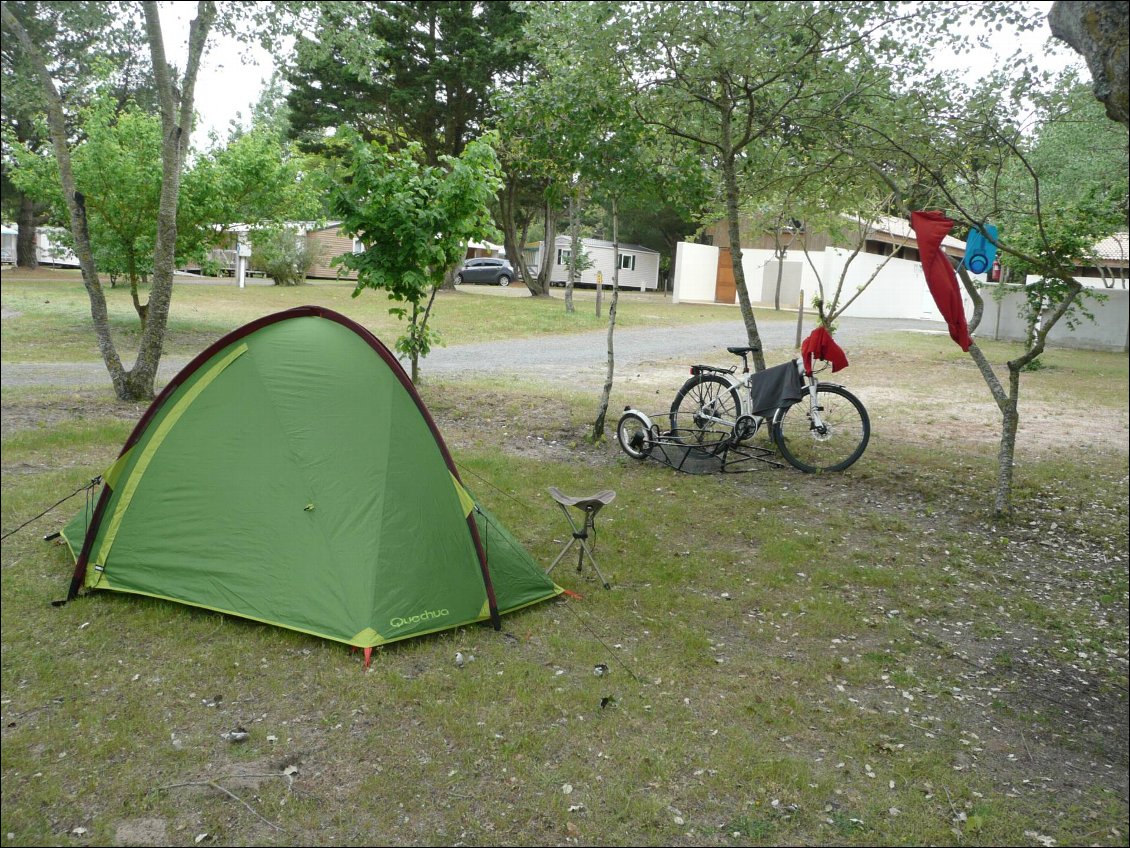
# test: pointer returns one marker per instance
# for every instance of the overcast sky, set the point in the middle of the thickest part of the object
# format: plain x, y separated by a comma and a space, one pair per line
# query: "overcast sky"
232, 75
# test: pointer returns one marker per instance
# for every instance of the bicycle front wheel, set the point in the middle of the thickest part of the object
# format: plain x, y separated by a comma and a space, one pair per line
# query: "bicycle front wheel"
634, 435
705, 407
831, 444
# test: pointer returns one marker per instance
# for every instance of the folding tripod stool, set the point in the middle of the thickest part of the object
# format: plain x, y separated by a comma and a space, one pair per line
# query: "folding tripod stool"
590, 506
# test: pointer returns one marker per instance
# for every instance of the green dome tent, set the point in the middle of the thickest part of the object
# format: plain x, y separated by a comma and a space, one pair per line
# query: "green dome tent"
292, 475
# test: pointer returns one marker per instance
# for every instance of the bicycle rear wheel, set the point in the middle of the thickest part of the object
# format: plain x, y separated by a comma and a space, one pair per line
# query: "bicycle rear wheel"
839, 441
705, 406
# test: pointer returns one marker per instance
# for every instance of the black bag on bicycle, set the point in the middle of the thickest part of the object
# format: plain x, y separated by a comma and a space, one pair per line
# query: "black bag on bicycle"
775, 387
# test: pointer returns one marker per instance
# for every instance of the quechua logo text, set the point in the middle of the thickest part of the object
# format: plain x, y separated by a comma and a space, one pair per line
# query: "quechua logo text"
399, 621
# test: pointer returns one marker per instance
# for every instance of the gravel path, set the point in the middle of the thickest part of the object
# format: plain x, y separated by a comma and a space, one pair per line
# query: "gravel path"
564, 357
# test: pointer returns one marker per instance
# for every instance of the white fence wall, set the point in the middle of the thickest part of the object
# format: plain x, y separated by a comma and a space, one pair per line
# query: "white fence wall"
1109, 331
754, 264
898, 291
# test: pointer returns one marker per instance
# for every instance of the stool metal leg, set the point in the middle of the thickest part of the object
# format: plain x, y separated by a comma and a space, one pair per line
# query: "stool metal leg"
580, 537
569, 546
564, 551
585, 550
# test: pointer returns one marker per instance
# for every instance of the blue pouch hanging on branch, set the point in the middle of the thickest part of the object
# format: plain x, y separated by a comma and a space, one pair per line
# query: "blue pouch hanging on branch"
980, 249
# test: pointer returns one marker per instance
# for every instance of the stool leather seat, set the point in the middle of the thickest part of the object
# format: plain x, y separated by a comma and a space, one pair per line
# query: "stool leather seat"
585, 502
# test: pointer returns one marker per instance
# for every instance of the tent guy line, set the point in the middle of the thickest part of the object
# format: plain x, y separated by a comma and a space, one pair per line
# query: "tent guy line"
86, 487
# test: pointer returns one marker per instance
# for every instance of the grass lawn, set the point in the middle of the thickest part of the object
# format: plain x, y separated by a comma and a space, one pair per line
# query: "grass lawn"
867, 658
55, 313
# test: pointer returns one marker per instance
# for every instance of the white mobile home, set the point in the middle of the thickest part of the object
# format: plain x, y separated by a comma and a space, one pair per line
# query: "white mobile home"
639, 265
8, 249
50, 250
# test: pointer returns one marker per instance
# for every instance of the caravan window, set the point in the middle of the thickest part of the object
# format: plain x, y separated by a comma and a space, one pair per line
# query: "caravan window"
563, 256
628, 261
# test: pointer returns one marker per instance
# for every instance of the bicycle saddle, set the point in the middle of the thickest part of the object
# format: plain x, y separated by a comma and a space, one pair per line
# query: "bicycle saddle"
742, 351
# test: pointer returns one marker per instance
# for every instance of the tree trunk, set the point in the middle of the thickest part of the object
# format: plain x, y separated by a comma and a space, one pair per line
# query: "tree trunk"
75, 204
1010, 419
673, 246
730, 180
606, 394
1097, 29
549, 247
513, 239
780, 273
415, 356
176, 125
799, 319
142, 309
574, 247
1009, 403
28, 223
448, 283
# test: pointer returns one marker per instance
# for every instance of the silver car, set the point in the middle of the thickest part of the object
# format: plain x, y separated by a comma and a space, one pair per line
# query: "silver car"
485, 270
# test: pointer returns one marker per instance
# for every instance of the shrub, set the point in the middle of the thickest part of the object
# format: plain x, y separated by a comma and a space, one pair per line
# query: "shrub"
282, 255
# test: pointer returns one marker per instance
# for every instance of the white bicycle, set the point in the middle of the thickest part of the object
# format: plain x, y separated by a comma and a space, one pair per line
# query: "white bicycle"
816, 426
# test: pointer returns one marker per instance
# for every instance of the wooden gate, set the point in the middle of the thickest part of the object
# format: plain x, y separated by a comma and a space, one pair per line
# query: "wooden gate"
725, 290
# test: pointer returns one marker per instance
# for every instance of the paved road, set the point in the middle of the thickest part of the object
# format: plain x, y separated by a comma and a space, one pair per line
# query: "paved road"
558, 356
564, 357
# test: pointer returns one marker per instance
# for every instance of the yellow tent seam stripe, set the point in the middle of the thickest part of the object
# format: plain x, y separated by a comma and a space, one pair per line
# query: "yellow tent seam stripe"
345, 641
111, 474
154, 443
465, 499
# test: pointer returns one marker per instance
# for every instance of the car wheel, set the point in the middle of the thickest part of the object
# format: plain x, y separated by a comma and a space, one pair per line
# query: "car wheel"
504, 280
458, 279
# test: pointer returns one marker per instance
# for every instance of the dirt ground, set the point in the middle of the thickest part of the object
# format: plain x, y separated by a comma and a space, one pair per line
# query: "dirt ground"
1063, 713
1060, 708
35, 413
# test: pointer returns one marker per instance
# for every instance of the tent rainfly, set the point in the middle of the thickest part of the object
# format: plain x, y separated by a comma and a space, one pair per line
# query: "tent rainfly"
291, 474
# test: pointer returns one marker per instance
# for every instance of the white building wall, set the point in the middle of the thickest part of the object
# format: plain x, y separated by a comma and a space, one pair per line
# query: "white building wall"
8, 247
601, 263
696, 272
645, 277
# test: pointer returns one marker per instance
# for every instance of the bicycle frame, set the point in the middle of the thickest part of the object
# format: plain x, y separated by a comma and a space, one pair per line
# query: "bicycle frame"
743, 388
